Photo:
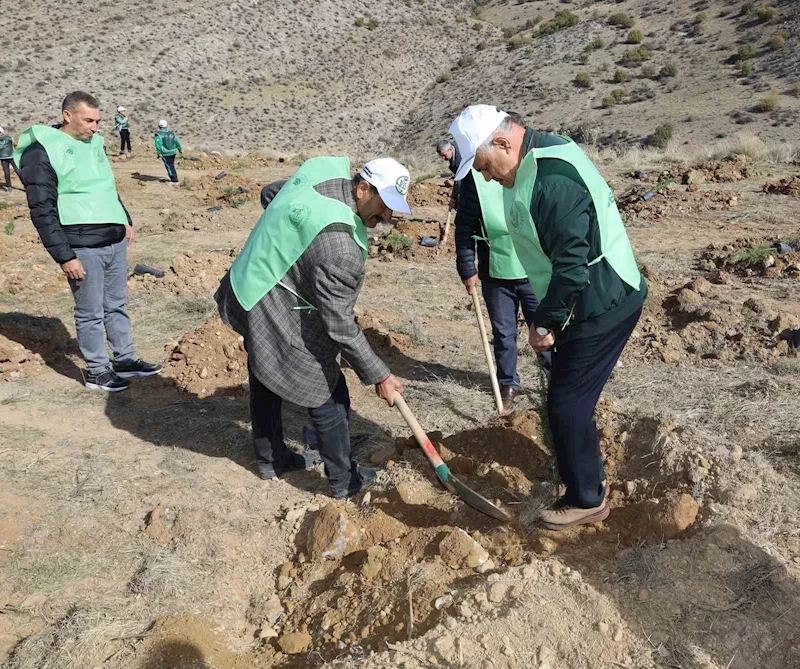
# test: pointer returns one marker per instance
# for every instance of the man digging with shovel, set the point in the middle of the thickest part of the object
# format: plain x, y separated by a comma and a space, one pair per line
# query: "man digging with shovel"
290, 293
570, 239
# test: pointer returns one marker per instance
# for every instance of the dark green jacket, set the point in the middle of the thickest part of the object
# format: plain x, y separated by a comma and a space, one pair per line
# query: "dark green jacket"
566, 223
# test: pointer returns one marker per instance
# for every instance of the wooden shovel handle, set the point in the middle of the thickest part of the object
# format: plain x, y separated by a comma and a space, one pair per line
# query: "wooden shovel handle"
442, 470
487, 350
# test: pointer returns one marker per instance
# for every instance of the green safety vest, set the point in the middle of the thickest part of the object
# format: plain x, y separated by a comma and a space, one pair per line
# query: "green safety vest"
295, 216
87, 192
503, 261
614, 243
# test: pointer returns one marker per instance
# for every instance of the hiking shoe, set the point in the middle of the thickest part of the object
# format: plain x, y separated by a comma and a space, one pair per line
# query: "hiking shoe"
306, 460
366, 475
106, 380
130, 368
563, 516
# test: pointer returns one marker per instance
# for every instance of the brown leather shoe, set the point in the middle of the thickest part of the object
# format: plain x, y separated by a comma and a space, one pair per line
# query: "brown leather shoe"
562, 516
508, 394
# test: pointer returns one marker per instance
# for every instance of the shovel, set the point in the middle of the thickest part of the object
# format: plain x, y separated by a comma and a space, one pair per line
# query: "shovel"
443, 471
487, 351
445, 234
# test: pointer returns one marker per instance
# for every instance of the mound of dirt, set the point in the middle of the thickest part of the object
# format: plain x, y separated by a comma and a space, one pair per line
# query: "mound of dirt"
215, 160
672, 203
702, 321
224, 188
734, 168
382, 340
17, 362
403, 241
787, 186
750, 256
193, 273
208, 360
30, 343
430, 193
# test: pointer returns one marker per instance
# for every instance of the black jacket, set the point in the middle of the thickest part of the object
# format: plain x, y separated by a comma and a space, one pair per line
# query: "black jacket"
469, 224
41, 186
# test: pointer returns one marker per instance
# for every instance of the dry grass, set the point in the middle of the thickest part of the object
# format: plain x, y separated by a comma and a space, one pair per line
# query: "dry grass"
640, 563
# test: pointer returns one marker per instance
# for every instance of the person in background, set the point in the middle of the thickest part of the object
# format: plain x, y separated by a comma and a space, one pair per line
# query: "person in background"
167, 145
72, 196
449, 153
122, 126
6, 156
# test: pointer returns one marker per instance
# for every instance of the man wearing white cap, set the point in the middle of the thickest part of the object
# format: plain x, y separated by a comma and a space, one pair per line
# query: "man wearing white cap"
122, 126
291, 292
570, 239
6, 156
167, 145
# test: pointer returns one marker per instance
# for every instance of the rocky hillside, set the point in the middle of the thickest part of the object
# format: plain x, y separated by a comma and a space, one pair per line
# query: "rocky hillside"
364, 77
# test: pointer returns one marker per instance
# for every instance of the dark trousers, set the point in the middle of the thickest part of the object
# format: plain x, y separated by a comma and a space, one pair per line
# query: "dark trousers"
331, 422
124, 140
169, 163
503, 299
581, 369
7, 171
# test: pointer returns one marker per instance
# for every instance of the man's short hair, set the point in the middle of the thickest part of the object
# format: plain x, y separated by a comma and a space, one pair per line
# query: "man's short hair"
357, 179
75, 98
443, 145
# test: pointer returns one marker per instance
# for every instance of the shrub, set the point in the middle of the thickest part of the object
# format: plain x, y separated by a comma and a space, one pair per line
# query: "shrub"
635, 36
766, 14
509, 32
661, 136
518, 40
583, 80
770, 102
746, 51
481, 46
648, 72
747, 8
608, 101
618, 94
595, 44
9, 229
532, 23
669, 70
795, 90
444, 76
622, 20
466, 61
397, 242
620, 76
746, 67
637, 54
777, 42
563, 19
701, 17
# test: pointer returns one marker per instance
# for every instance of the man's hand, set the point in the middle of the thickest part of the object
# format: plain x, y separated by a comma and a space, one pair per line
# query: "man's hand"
74, 269
129, 234
540, 342
386, 389
471, 283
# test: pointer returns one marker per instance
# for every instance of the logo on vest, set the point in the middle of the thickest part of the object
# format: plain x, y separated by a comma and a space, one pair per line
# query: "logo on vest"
298, 181
516, 215
299, 215
401, 185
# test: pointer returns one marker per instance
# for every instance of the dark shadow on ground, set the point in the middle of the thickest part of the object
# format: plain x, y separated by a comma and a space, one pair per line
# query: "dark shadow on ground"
47, 336
138, 176
174, 655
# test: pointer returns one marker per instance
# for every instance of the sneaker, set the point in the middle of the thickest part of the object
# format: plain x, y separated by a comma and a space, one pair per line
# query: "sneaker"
297, 462
563, 516
131, 368
106, 380
367, 476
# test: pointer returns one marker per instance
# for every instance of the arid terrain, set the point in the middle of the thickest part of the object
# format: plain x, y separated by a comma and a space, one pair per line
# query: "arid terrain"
134, 532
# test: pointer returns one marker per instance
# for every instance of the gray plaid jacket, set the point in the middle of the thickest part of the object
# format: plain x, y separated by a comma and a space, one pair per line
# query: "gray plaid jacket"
296, 352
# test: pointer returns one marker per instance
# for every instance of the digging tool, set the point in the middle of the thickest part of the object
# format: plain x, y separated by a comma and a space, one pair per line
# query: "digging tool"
446, 233
486, 350
443, 472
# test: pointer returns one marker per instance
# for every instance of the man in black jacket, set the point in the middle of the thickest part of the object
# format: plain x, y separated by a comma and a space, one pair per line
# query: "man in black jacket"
449, 153
86, 229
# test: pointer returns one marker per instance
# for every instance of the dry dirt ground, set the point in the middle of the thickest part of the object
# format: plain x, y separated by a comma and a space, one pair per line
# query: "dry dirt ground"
134, 532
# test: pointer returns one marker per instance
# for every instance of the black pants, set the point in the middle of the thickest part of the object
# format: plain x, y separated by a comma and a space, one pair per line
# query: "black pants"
581, 369
7, 170
124, 140
169, 163
503, 298
331, 422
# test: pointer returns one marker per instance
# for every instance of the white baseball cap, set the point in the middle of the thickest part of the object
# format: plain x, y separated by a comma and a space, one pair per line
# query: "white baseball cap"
473, 127
120, 108
392, 181
162, 123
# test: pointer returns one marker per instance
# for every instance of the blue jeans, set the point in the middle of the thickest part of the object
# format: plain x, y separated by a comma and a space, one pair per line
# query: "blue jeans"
330, 421
503, 298
169, 163
100, 304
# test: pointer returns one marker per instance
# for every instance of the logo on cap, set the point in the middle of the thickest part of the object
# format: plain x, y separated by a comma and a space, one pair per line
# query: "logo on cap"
402, 185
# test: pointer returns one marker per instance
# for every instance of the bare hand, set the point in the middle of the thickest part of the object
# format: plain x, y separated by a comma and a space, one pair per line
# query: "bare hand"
74, 270
471, 283
540, 342
129, 233
386, 389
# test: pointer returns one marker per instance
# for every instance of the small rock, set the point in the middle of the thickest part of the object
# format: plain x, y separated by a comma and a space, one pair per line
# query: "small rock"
383, 455
602, 627
644, 595
676, 514
295, 514
294, 643
630, 488
700, 285
450, 623
530, 573
508, 651
332, 534
497, 592
203, 373
443, 602
486, 566
459, 550
736, 452
444, 646
273, 610
284, 581
618, 634
267, 632
413, 493
555, 569
783, 321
